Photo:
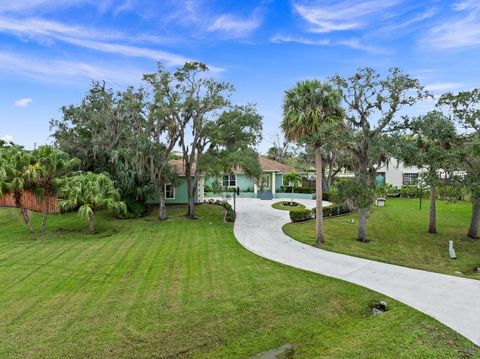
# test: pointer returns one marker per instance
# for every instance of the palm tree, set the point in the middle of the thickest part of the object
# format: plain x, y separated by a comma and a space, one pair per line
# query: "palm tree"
89, 192
16, 176
51, 163
311, 111
293, 178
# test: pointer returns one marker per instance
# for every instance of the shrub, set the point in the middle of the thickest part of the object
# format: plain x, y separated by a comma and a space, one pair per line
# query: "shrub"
288, 189
326, 196
387, 190
334, 210
300, 214
207, 188
135, 209
412, 192
230, 215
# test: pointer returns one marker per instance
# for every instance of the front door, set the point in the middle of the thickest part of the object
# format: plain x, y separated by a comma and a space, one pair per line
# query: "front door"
266, 182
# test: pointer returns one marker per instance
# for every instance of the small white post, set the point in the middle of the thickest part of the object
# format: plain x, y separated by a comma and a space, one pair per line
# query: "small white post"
451, 250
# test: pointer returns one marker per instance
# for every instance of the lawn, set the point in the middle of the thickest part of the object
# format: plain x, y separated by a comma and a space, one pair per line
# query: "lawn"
286, 205
183, 288
397, 233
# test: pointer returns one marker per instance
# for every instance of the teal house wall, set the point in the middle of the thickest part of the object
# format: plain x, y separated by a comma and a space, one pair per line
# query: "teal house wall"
278, 181
181, 194
244, 182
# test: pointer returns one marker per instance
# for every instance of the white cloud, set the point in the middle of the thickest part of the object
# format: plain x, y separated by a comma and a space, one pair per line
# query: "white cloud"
86, 37
352, 43
7, 138
56, 70
234, 26
299, 39
443, 86
458, 32
341, 15
23, 102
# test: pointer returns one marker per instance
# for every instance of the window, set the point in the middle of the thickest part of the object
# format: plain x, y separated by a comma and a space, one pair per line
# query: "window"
230, 181
410, 178
169, 191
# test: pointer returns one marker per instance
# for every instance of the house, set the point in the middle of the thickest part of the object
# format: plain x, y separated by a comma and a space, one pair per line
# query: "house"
397, 174
269, 186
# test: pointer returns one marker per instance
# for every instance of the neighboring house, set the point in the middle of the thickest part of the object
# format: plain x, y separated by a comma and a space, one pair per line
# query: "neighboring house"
269, 186
397, 174
394, 173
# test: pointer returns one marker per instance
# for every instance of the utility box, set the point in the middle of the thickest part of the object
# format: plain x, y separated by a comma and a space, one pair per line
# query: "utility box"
380, 202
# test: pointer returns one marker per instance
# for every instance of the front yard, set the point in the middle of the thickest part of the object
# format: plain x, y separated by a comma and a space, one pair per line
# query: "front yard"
398, 234
182, 288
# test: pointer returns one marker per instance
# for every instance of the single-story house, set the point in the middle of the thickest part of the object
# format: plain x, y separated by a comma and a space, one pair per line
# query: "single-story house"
269, 186
397, 174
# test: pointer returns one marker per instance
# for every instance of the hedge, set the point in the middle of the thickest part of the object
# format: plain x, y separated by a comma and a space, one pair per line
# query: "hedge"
333, 210
300, 214
288, 189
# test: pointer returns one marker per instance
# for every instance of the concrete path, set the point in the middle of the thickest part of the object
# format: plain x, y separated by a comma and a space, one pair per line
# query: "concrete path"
451, 300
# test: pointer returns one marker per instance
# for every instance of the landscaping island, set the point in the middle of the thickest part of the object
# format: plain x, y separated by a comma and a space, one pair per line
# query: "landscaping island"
144, 288
398, 234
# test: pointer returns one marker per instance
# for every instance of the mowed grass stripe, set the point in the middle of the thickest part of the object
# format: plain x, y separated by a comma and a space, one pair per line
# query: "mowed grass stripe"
181, 288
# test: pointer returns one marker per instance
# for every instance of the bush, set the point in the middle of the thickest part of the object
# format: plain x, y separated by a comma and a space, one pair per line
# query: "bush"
135, 209
334, 210
387, 190
207, 188
300, 214
288, 189
412, 192
326, 196
230, 215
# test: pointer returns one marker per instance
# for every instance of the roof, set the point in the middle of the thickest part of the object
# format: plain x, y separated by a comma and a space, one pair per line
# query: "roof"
180, 168
270, 165
266, 164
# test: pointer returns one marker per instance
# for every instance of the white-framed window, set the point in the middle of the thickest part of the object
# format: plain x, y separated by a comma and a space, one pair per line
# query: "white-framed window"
410, 178
230, 181
169, 191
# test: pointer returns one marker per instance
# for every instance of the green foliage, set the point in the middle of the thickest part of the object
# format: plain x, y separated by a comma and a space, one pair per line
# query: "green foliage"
135, 209
300, 214
412, 191
353, 191
311, 112
287, 205
292, 178
90, 192
333, 210
100, 133
386, 190
288, 189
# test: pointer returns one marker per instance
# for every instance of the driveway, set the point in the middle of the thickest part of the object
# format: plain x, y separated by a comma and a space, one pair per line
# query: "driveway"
454, 301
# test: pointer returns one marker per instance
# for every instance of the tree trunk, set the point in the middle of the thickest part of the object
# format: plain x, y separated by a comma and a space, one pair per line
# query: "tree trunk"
191, 199
319, 195
362, 224
162, 210
473, 230
46, 208
291, 202
432, 225
26, 218
91, 224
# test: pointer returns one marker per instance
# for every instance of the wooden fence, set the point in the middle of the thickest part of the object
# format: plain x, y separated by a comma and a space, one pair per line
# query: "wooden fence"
31, 202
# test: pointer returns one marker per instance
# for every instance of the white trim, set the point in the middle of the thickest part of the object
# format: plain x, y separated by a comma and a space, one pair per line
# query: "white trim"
229, 177
174, 191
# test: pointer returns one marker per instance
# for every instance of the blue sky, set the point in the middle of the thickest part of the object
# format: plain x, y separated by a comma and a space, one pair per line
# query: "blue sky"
50, 50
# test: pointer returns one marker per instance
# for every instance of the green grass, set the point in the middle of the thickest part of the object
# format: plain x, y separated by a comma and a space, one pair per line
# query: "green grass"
285, 205
183, 288
397, 233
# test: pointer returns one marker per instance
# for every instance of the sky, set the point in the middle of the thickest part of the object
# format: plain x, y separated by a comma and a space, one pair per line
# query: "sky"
51, 50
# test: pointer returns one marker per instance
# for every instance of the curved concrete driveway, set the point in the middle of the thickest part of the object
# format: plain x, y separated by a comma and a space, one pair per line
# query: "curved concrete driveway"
451, 300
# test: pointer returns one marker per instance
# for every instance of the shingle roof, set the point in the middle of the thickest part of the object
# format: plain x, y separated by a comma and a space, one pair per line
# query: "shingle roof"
266, 164
270, 165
